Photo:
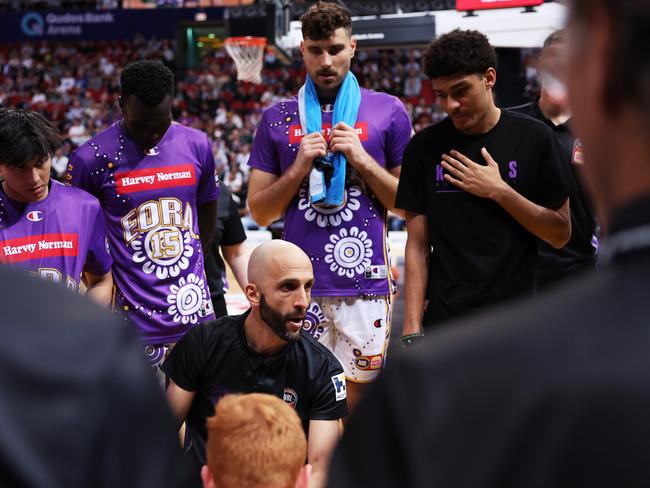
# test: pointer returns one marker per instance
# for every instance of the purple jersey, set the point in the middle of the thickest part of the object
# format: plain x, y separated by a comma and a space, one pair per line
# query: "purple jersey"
57, 238
347, 245
150, 204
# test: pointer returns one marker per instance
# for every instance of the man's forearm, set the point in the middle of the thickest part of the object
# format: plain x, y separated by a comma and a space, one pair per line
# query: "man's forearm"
415, 280
551, 226
268, 204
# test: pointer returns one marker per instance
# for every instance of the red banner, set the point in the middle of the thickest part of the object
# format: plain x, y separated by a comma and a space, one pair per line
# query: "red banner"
296, 133
155, 178
487, 4
38, 247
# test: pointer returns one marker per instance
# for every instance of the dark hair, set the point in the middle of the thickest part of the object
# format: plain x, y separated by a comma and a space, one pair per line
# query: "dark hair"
459, 52
628, 77
556, 37
26, 137
151, 81
323, 18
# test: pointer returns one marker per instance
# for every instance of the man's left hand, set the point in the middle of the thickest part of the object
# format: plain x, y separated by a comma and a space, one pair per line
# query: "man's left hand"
346, 140
477, 179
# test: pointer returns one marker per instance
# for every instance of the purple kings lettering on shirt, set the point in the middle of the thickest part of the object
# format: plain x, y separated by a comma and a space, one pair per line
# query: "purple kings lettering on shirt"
512, 169
56, 238
150, 204
343, 242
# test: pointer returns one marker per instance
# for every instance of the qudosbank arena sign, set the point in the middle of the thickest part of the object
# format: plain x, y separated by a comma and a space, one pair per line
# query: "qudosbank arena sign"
487, 4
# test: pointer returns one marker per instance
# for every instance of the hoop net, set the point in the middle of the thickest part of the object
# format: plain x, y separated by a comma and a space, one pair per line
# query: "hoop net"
248, 54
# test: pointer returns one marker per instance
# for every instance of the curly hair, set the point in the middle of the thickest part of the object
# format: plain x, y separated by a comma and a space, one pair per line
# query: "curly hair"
26, 137
151, 81
323, 18
459, 52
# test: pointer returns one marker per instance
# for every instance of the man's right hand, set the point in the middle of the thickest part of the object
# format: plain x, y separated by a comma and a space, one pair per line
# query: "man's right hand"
312, 146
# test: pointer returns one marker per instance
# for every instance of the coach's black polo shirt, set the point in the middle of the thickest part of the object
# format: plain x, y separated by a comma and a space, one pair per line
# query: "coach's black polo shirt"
579, 254
481, 255
214, 359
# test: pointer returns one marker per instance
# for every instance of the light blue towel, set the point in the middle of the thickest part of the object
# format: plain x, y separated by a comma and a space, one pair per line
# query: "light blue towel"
346, 106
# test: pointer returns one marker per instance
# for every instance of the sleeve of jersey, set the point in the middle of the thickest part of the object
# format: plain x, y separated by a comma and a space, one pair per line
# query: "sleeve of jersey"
184, 364
233, 232
264, 155
555, 180
208, 189
399, 135
79, 175
411, 188
329, 397
99, 260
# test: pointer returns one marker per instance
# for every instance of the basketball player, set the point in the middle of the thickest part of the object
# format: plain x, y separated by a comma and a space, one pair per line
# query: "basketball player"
552, 108
479, 187
54, 231
350, 313
155, 180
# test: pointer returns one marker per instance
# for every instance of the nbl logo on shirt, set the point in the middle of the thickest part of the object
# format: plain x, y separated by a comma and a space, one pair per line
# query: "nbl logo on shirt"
155, 178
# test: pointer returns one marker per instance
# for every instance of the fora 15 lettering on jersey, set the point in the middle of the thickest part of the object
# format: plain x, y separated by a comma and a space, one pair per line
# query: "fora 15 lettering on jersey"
160, 232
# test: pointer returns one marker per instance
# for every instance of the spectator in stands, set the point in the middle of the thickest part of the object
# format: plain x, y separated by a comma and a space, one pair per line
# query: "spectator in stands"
255, 440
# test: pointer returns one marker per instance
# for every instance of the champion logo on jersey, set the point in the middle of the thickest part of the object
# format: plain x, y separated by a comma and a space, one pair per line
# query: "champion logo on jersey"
38, 247
155, 178
327, 108
35, 216
296, 133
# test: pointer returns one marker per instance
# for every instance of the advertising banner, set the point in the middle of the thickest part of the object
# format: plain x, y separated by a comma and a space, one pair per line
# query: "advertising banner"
488, 4
98, 25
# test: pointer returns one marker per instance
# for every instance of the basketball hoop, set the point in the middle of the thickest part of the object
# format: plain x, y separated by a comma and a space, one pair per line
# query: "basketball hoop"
248, 54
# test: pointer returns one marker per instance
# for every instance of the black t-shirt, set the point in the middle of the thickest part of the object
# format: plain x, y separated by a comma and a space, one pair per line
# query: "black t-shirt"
213, 359
481, 255
79, 405
579, 253
229, 231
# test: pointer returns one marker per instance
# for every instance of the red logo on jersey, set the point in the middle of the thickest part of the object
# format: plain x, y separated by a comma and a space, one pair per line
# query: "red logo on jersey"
37, 247
155, 178
296, 132
35, 216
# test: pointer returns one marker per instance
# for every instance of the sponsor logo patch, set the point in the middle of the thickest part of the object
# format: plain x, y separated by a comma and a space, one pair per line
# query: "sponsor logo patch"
340, 389
35, 216
38, 247
369, 363
290, 397
296, 133
155, 178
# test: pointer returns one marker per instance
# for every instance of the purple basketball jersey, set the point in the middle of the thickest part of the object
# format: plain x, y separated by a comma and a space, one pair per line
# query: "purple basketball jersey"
150, 204
57, 238
347, 245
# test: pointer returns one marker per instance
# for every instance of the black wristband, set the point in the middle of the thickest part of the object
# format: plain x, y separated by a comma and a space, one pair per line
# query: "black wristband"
412, 339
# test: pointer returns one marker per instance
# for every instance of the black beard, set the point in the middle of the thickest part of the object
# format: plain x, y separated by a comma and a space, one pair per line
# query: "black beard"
277, 322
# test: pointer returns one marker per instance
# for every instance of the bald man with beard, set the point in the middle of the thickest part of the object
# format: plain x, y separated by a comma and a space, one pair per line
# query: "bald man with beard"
262, 351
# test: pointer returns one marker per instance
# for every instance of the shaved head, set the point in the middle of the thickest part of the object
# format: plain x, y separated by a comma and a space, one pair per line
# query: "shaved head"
273, 256
280, 278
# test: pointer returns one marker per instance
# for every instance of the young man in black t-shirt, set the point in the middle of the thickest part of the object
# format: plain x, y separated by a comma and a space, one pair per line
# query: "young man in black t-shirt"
262, 351
552, 108
478, 187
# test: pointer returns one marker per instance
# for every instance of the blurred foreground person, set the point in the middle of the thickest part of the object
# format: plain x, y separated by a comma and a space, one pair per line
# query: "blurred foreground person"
71, 414
255, 441
554, 393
